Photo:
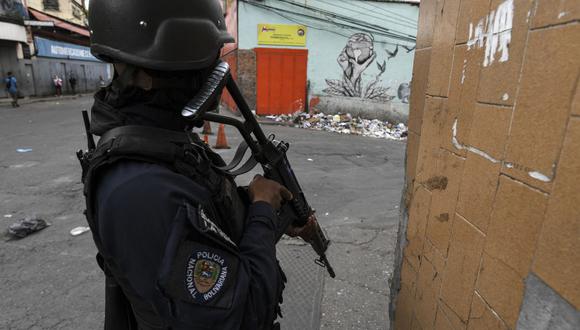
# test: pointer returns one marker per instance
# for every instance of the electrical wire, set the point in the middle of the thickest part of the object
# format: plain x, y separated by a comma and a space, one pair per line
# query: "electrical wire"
386, 11
342, 25
348, 19
367, 13
328, 30
370, 13
327, 20
391, 32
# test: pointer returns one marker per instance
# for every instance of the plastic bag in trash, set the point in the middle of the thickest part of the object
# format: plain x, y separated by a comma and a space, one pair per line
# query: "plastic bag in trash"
27, 226
345, 124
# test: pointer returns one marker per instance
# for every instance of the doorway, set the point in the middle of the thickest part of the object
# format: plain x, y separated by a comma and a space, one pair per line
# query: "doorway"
280, 80
29, 79
85, 83
62, 74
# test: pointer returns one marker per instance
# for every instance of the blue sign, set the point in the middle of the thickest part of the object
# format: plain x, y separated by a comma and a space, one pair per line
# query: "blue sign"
58, 49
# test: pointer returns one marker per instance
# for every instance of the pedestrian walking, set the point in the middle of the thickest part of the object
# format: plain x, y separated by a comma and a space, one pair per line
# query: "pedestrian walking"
72, 80
12, 88
57, 85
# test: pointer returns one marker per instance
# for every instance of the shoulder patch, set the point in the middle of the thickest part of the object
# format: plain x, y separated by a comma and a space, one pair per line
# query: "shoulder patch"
203, 274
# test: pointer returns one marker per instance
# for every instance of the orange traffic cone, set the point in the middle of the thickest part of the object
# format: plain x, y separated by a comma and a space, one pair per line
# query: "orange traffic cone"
222, 141
206, 139
206, 128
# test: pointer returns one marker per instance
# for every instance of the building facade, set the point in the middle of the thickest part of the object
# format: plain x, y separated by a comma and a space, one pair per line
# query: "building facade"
68, 10
490, 233
55, 42
12, 35
350, 57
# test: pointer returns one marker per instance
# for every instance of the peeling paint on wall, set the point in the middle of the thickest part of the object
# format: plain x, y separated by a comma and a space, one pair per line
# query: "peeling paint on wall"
460, 146
539, 176
532, 173
463, 71
494, 32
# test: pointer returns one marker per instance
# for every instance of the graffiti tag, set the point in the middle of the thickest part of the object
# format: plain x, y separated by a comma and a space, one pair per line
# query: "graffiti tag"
494, 31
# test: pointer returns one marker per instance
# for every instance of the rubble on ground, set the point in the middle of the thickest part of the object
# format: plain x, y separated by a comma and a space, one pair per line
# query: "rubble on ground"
27, 226
344, 124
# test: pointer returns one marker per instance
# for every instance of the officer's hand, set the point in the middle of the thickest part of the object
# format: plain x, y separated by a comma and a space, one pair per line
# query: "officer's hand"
271, 192
306, 232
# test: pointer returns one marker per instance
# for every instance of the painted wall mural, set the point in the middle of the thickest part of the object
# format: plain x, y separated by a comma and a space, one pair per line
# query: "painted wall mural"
404, 92
355, 58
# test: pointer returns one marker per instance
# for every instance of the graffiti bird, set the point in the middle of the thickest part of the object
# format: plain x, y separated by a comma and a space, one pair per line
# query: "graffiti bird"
382, 67
393, 53
409, 49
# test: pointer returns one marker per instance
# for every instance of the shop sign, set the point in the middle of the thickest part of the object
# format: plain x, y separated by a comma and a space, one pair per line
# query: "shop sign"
59, 49
282, 35
29, 22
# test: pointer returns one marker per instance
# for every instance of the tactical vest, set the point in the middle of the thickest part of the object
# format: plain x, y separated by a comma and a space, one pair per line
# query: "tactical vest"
181, 152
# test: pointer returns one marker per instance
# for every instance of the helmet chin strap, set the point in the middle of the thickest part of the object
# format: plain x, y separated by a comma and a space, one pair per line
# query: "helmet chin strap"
125, 78
190, 83
133, 76
127, 75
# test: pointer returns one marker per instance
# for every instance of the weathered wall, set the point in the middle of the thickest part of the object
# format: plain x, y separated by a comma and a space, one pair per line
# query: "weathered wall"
329, 61
492, 237
247, 75
86, 72
67, 10
35, 76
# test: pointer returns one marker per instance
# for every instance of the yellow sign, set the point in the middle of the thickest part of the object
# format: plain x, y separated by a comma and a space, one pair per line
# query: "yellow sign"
281, 35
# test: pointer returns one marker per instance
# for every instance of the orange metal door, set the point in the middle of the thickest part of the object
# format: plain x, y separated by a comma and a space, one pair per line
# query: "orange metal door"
280, 80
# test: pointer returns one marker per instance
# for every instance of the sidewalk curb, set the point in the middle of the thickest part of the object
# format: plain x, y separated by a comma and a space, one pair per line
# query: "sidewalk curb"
260, 120
30, 100
274, 123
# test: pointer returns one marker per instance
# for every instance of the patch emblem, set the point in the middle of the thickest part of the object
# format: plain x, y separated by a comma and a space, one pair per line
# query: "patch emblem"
206, 275
207, 225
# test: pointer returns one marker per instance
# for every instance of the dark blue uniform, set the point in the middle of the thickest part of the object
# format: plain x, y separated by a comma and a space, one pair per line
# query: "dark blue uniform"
176, 261
144, 212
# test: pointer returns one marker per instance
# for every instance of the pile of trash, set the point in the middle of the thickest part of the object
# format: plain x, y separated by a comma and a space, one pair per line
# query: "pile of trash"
345, 124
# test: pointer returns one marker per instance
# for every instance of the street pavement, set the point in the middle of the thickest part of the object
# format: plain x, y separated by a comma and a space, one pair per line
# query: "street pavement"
50, 280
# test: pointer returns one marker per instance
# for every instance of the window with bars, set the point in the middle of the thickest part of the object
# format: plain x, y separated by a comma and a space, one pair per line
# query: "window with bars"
26, 53
51, 5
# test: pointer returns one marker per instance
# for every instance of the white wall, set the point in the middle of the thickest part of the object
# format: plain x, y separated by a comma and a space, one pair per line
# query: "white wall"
12, 32
326, 41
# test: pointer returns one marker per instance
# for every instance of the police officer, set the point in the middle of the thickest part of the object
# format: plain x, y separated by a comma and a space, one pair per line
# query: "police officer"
181, 246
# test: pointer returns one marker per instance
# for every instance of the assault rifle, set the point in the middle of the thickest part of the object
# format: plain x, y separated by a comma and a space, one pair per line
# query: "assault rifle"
268, 152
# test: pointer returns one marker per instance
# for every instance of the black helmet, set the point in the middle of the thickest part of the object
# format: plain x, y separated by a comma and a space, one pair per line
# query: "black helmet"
164, 35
